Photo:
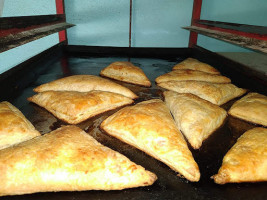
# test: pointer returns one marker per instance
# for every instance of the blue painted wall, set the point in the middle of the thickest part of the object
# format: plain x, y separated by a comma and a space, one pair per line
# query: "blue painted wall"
235, 11
155, 23
13, 57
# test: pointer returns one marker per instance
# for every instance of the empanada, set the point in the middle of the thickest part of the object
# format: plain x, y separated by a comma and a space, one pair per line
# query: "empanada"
75, 107
246, 161
67, 159
194, 64
251, 108
150, 127
195, 117
215, 93
126, 72
188, 74
85, 83
14, 127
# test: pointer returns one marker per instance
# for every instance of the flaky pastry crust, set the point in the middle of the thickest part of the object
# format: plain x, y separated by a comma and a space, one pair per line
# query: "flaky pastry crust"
75, 107
67, 159
194, 64
246, 161
14, 127
126, 72
216, 93
188, 74
150, 127
195, 117
85, 83
251, 108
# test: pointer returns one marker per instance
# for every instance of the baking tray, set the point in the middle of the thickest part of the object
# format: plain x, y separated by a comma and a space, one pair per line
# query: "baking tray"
168, 185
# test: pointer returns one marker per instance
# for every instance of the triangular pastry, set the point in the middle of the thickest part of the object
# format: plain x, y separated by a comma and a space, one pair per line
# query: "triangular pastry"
85, 83
195, 117
246, 161
126, 72
14, 127
194, 64
251, 108
188, 74
150, 127
215, 93
67, 159
75, 107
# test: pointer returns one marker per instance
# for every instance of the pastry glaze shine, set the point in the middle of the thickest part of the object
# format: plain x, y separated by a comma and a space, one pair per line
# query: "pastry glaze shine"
75, 107
195, 117
67, 159
194, 64
215, 93
85, 83
126, 72
14, 127
246, 161
149, 127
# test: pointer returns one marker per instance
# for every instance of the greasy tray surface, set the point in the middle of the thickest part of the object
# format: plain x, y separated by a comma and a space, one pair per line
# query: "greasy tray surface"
168, 185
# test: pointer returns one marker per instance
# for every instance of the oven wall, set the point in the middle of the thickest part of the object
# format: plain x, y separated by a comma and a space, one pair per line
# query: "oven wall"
11, 8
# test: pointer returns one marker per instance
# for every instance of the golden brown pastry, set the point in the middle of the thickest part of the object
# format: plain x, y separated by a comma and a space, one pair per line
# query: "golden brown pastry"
75, 107
246, 161
195, 117
215, 93
14, 127
67, 159
85, 83
194, 64
150, 127
126, 72
188, 74
252, 108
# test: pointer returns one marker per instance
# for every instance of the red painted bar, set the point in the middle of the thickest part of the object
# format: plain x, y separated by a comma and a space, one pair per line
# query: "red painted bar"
195, 16
60, 10
60, 6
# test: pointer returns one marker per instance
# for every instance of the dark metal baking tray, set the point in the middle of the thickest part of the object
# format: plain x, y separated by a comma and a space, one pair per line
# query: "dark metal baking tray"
168, 185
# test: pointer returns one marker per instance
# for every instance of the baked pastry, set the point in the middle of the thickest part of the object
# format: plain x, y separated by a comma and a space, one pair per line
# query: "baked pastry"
67, 159
150, 127
75, 107
246, 161
14, 127
188, 74
194, 64
195, 117
85, 83
215, 93
251, 108
126, 72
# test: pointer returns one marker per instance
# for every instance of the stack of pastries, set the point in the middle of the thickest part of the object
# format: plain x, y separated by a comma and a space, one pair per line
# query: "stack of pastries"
69, 159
